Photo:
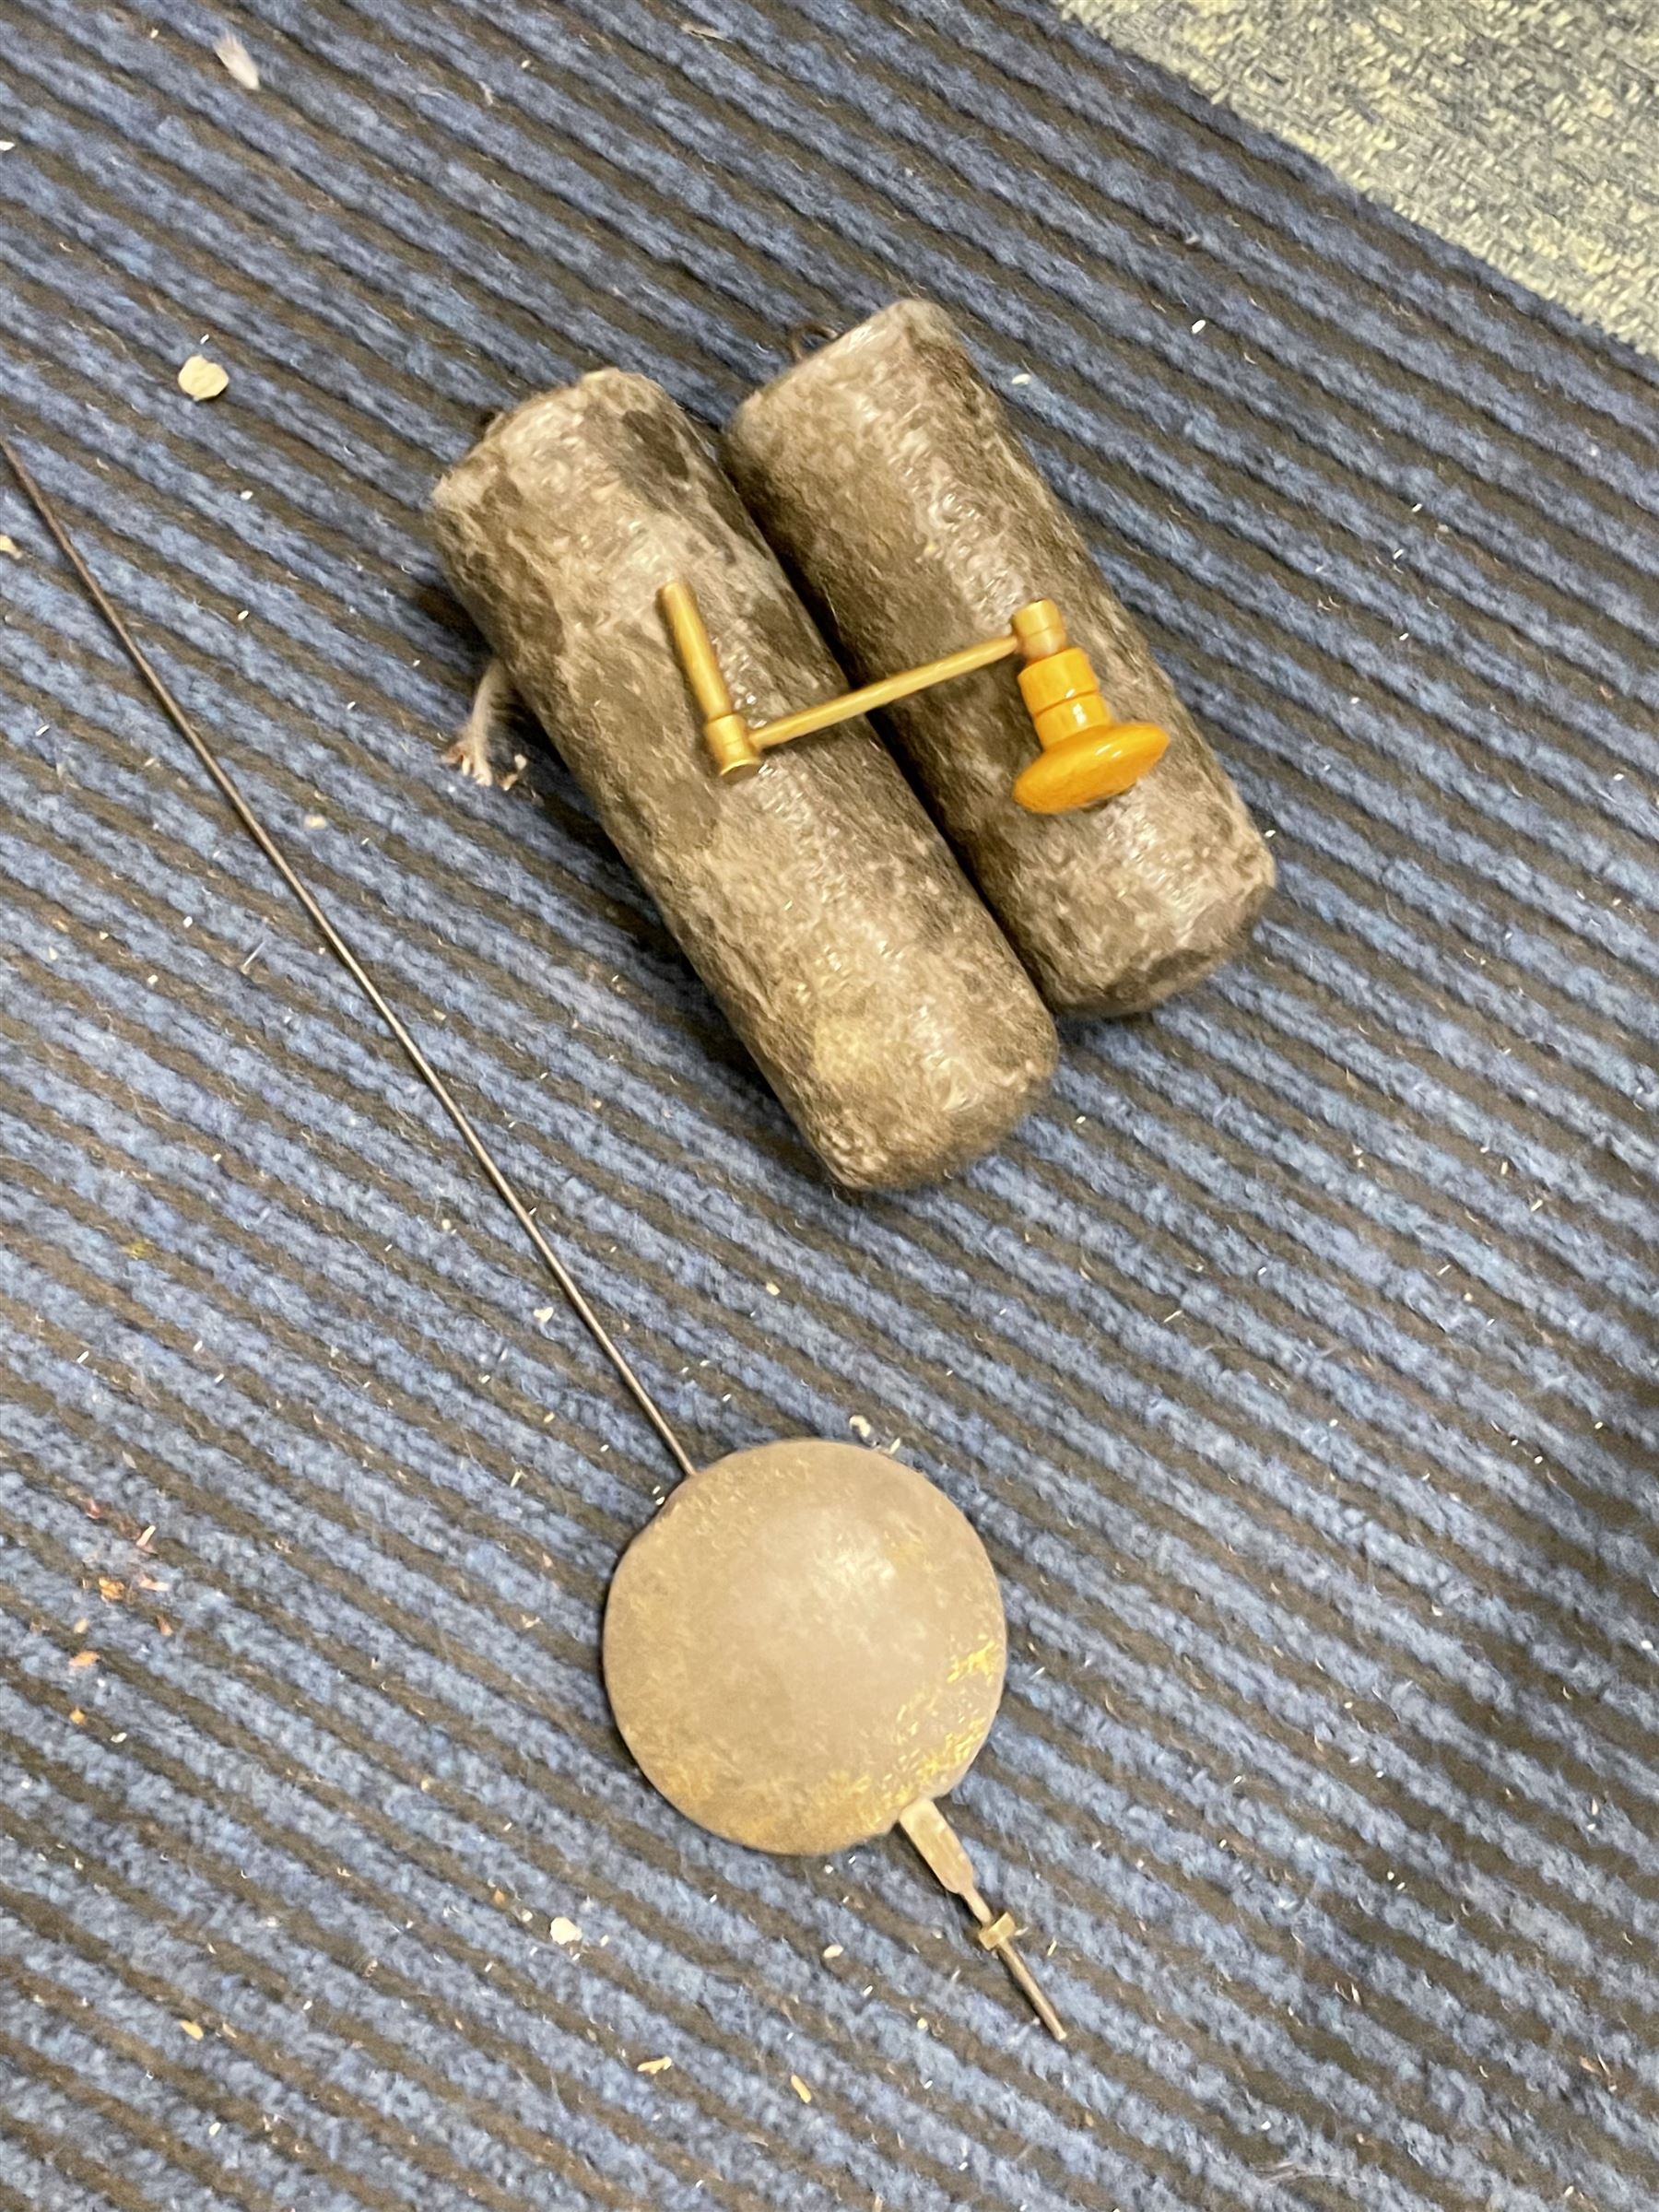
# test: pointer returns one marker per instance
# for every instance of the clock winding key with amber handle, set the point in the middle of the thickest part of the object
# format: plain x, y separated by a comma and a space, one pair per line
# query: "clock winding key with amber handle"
1086, 755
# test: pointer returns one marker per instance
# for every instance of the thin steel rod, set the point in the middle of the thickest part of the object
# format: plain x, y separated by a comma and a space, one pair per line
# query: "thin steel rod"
569, 1288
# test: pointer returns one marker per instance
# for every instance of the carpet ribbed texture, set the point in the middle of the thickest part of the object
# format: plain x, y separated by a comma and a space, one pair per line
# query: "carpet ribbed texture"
1295, 1361
1518, 127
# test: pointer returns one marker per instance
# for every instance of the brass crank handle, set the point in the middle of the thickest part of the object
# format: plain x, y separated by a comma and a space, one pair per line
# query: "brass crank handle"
1085, 756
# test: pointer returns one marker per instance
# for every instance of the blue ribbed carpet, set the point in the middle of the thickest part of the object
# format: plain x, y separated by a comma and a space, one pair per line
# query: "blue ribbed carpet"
1296, 1363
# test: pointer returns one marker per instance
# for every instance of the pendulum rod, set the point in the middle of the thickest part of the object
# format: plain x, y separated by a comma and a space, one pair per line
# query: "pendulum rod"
569, 1289
946, 1852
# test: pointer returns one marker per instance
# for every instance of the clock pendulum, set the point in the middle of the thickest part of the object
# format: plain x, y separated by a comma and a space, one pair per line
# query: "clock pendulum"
805, 1648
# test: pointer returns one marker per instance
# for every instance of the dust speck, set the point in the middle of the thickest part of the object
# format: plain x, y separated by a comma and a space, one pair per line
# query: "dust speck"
239, 61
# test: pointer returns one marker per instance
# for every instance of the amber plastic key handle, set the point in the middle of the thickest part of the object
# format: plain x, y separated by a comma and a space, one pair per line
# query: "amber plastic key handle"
1085, 757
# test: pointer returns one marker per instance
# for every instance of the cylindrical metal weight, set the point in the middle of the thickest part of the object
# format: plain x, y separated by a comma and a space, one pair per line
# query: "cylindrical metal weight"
815, 897
892, 483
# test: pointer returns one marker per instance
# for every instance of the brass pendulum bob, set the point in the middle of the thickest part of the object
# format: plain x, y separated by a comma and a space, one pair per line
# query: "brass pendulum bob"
806, 1649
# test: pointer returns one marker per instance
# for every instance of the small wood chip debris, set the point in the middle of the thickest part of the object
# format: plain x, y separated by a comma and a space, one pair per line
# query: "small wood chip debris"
239, 61
193, 2029
84, 1659
653, 2066
110, 1590
202, 379
561, 1930
10, 547
800, 2088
